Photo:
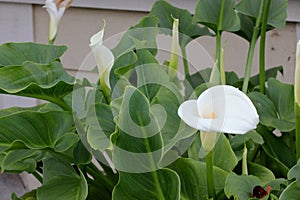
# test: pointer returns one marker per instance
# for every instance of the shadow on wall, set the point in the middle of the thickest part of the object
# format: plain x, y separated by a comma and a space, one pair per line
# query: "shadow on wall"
10, 183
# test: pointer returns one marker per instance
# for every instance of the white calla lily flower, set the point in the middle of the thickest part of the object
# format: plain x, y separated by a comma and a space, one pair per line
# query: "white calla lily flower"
220, 108
103, 56
55, 9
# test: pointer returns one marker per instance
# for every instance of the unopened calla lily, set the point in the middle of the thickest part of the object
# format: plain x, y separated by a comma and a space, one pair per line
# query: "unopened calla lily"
220, 108
175, 50
103, 56
55, 9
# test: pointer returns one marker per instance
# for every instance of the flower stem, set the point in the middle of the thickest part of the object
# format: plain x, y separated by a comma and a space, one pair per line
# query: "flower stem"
210, 174
37, 176
297, 113
244, 161
105, 90
252, 48
262, 47
218, 50
218, 35
185, 62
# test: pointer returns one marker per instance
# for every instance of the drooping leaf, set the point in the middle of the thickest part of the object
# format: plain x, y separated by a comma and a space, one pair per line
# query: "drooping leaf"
100, 126
35, 130
141, 128
292, 192
295, 172
261, 172
60, 181
209, 12
193, 178
188, 30
283, 100
140, 36
279, 160
270, 73
239, 140
19, 160
246, 29
268, 113
43, 81
81, 155
156, 185
224, 157
277, 11
240, 187
19, 53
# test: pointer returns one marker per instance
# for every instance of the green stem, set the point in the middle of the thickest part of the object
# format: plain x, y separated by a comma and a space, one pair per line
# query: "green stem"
185, 62
244, 161
37, 176
218, 35
262, 47
98, 176
105, 90
297, 113
59, 101
252, 48
210, 174
218, 50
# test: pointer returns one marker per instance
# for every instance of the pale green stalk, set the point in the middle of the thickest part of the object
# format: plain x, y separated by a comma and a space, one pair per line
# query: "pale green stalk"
244, 161
297, 100
262, 47
252, 48
210, 175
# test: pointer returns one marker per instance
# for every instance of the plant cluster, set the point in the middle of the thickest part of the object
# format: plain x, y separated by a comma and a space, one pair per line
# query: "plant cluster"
140, 132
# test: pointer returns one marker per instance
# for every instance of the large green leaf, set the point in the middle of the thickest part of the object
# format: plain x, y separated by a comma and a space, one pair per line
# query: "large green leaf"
292, 192
43, 81
60, 181
262, 172
140, 36
26, 137
141, 128
272, 115
156, 185
209, 13
193, 178
18, 53
277, 11
19, 160
100, 126
36, 130
165, 12
240, 187
283, 100
280, 157
295, 172
224, 157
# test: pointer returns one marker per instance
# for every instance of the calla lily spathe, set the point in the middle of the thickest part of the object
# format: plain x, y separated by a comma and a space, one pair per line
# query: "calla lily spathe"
55, 9
103, 56
220, 108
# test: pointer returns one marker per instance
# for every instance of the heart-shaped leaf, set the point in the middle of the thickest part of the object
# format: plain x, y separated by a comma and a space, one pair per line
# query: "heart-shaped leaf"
19, 53
209, 13
165, 12
60, 181
44, 81
277, 11
240, 187
193, 178
156, 185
